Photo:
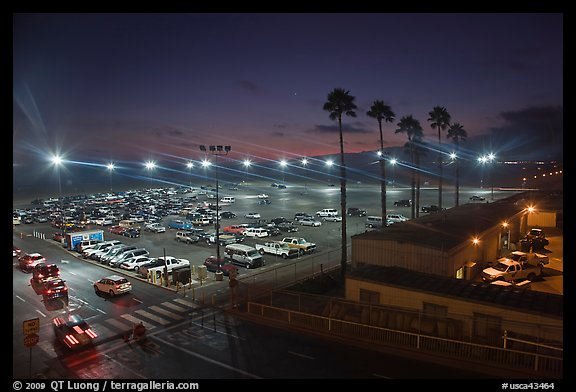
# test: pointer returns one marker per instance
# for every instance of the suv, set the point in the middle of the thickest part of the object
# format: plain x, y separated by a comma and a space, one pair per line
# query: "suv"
352, 211
53, 289
28, 261
396, 218
186, 237
327, 212
403, 203
43, 271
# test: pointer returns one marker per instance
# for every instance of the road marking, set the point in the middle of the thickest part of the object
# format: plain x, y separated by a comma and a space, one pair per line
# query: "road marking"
166, 312
151, 316
43, 315
102, 332
186, 303
20, 298
137, 300
136, 320
173, 306
301, 355
121, 326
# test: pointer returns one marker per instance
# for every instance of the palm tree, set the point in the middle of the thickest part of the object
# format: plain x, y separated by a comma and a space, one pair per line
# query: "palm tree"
440, 120
458, 134
412, 128
382, 112
341, 102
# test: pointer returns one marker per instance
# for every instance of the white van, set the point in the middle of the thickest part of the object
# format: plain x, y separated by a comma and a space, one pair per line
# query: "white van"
327, 212
228, 199
244, 255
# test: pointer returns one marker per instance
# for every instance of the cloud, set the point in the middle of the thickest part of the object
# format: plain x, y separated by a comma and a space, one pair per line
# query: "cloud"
357, 127
250, 86
534, 132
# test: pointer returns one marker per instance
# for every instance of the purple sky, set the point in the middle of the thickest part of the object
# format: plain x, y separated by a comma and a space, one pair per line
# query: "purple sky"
154, 86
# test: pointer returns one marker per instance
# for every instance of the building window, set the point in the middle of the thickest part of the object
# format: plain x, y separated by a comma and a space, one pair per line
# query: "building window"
369, 296
434, 310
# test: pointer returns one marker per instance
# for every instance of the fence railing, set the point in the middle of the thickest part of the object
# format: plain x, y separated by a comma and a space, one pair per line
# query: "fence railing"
544, 365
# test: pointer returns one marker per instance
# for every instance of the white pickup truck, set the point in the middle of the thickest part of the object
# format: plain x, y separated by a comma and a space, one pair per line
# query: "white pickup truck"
517, 266
278, 249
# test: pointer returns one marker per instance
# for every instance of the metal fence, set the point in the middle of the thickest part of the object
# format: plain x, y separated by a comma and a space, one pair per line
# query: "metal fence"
534, 362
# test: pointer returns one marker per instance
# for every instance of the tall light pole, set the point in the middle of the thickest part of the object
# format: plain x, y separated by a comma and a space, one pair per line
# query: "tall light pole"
190, 166
150, 165
110, 167
57, 161
304, 162
217, 151
393, 162
283, 164
246, 164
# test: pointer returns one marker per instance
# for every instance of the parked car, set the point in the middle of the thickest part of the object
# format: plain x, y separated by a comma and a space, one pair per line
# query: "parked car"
155, 227
180, 225
252, 215
353, 211
396, 218
117, 229
287, 227
309, 222
112, 285
213, 264
431, 208
227, 215
186, 237
403, 203
332, 218
134, 263
300, 215
132, 233
73, 331
477, 198
263, 196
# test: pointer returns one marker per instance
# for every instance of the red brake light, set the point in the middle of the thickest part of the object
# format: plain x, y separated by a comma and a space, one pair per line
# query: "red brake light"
71, 339
91, 333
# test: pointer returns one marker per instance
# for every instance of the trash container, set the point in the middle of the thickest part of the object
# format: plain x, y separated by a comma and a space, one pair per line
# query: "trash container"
219, 276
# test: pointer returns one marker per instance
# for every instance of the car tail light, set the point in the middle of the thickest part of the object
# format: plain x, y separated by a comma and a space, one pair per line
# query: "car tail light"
91, 333
71, 340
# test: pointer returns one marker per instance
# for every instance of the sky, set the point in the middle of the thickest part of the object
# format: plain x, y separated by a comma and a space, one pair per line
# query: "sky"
149, 86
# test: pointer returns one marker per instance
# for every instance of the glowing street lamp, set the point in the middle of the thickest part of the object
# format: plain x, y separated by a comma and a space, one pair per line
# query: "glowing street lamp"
304, 162
150, 165
110, 168
190, 166
393, 162
246, 164
58, 161
329, 163
283, 165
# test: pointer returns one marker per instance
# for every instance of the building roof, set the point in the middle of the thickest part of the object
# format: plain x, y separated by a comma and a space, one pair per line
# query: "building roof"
451, 227
522, 299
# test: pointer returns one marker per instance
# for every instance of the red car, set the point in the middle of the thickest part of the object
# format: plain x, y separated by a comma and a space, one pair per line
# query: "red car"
214, 264
235, 229
118, 230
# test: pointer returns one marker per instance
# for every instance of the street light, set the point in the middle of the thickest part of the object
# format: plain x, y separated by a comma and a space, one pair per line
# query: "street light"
190, 166
329, 164
110, 167
484, 159
304, 162
393, 162
246, 164
57, 161
150, 165
216, 151
283, 164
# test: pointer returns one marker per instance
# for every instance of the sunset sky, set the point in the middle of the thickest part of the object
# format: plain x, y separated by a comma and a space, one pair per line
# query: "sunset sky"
133, 87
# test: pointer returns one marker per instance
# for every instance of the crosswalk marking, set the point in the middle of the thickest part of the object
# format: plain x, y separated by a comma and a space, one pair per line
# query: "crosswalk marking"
118, 324
166, 312
102, 331
173, 306
136, 320
151, 316
185, 303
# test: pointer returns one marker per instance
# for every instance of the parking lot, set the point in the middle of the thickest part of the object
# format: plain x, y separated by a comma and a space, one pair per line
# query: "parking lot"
170, 204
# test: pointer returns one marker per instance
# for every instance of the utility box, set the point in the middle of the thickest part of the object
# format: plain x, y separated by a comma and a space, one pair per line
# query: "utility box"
219, 276
202, 272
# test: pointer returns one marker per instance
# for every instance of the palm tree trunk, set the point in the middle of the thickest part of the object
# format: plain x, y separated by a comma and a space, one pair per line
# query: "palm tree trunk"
344, 255
413, 212
440, 173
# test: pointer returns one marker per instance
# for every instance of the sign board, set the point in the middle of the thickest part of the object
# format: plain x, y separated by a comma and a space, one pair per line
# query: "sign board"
31, 326
31, 340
